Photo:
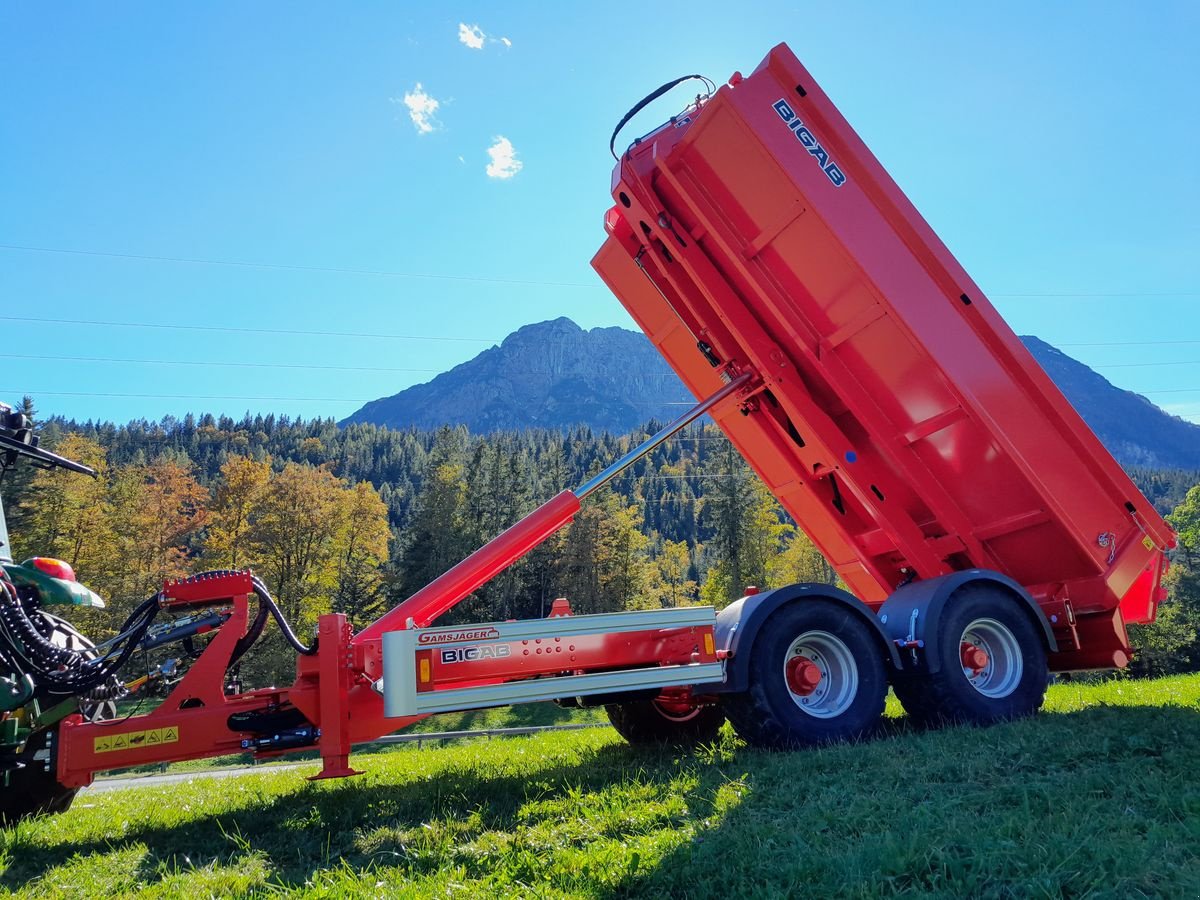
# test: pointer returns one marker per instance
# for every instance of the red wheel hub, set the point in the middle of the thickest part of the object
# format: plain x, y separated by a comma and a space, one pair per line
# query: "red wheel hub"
803, 675
973, 657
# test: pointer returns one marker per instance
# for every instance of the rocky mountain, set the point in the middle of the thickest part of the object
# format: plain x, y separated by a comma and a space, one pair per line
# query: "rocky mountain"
549, 375
1133, 429
554, 374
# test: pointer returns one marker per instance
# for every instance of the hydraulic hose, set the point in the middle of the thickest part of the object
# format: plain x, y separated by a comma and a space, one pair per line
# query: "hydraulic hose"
252, 635
60, 669
264, 596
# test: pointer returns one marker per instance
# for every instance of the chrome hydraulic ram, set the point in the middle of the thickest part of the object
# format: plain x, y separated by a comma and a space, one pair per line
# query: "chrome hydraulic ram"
502, 551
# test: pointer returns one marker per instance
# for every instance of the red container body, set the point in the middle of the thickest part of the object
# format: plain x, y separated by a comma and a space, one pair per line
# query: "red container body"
899, 420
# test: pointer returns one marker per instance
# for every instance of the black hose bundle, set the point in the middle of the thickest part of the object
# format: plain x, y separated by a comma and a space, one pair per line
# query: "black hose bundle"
64, 670
26, 643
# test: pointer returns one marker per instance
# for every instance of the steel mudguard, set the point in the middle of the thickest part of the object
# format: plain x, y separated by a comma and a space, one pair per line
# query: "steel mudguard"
911, 614
739, 623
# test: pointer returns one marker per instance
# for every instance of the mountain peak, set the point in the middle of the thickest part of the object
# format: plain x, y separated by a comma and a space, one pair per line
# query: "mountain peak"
555, 374
560, 327
550, 374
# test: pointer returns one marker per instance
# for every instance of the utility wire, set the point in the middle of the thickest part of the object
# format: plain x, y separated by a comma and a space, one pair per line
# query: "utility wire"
36, 393
210, 363
1121, 343
486, 279
423, 337
46, 321
428, 337
230, 328
377, 273
313, 366
254, 365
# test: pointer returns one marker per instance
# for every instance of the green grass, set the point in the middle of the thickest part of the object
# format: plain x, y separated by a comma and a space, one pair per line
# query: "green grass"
1099, 797
473, 720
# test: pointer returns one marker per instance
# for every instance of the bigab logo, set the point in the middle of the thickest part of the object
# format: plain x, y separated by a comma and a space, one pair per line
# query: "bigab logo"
474, 654
810, 143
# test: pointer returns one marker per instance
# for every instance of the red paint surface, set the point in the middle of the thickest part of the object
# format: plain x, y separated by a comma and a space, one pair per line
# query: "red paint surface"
917, 412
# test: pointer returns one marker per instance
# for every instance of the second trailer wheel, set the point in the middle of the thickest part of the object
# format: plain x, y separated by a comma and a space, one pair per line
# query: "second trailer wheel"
993, 664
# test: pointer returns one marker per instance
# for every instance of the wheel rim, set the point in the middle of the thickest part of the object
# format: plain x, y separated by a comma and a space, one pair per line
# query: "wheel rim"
837, 687
997, 673
676, 716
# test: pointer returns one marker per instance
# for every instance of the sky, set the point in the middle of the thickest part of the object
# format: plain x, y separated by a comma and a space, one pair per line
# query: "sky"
298, 207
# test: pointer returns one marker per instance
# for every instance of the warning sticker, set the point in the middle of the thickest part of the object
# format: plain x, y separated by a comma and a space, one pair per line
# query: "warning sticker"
132, 740
1147, 543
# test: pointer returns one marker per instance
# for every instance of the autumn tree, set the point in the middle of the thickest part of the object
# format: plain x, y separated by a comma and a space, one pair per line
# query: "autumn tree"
299, 516
670, 582
799, 561
157, 509
360, 550
66, 515
229, 541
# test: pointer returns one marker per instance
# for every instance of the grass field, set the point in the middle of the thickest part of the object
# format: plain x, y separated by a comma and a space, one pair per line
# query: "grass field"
1098, 797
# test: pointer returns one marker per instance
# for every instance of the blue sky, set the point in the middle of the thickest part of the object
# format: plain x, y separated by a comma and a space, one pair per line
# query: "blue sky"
1054, 148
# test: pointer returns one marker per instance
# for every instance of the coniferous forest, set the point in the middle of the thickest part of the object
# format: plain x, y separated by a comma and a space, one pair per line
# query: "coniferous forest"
356, 518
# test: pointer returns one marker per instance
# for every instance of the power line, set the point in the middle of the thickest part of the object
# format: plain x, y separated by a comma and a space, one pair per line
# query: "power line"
256, 365
230, 328
486, 279
15, 391
377, 273
316, 367
1122, 343
431, 337
37, 393
209, 363
1105, 295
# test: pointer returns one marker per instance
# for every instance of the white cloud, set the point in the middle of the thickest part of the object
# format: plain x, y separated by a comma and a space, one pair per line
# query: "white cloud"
504, 162
470, 35
506, 42
422, 109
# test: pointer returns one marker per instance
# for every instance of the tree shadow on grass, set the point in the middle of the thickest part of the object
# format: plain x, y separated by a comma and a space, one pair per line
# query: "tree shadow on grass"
355, 823
1098, 802
1066, 803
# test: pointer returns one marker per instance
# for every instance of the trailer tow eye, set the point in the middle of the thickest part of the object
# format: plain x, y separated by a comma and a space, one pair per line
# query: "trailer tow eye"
803, 676
974, 659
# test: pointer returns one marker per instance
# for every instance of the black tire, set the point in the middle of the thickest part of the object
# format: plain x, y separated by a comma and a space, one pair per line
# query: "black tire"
768, 714
951, 695
32, 789
643, 722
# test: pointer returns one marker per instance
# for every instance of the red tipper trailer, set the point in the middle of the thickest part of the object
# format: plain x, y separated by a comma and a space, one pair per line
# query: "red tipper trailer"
984, 533
898, 418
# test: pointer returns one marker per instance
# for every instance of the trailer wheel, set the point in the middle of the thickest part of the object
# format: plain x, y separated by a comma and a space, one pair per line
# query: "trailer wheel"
993, 664
816, 676
32, 789
648, 722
